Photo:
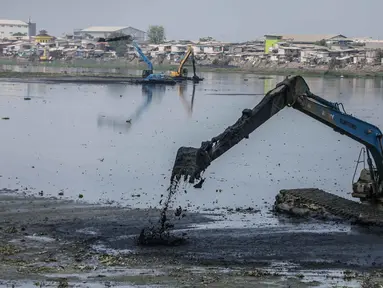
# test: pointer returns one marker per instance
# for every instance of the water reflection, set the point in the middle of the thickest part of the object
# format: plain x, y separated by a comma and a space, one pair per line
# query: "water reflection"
22, 90
182, 88
119, 124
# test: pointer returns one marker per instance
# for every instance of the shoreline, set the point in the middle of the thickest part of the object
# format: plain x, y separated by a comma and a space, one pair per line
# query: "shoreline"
92, 244
7, 68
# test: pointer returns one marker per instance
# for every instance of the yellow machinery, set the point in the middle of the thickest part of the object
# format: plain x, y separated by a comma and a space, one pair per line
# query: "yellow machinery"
181, 71
45, 56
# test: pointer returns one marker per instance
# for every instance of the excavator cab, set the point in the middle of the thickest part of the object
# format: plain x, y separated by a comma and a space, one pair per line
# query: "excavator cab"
367, 186
363, 188
146, 73
185, 72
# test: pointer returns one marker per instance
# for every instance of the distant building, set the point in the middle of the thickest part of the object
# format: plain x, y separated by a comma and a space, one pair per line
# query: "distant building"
310, 38
374, 44
77, 34
44, 37
10, 27
31, 28
105, 31
270, 40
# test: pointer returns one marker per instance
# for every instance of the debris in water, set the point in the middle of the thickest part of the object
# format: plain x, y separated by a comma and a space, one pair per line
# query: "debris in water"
178, 211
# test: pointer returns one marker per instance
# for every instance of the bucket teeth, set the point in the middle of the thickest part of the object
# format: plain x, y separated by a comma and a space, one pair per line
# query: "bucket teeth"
189, 164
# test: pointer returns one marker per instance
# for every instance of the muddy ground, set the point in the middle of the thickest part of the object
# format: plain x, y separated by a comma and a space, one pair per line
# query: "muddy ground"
51, 242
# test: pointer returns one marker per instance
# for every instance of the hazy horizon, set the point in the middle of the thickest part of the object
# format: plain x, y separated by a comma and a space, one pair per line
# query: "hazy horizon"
225, 20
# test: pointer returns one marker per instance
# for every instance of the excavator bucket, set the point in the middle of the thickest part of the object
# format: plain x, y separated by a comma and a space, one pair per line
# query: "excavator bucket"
190, 162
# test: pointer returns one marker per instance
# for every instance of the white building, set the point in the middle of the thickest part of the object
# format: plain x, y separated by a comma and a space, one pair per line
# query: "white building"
105, 31
10, 27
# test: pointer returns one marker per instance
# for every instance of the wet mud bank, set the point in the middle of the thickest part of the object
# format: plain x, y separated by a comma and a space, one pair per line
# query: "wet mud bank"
318, 204
59, 241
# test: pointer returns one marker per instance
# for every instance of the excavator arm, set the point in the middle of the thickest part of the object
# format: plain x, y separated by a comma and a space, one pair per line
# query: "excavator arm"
149, 71
180, 72
183, 61
292, 92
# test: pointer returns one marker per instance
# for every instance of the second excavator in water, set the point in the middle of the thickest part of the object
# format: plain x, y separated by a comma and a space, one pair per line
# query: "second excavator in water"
182, 73
294, 92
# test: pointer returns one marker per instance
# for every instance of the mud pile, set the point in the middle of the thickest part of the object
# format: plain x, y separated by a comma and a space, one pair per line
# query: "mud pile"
316, 203
294, 205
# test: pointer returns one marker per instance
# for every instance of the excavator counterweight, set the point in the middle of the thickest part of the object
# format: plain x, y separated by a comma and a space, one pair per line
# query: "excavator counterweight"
293, 92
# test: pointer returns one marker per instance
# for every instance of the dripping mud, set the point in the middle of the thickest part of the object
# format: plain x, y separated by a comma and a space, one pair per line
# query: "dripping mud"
159, 233
186, 167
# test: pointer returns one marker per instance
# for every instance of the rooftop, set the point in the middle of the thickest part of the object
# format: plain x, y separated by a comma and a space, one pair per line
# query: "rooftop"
310, 37
12, 22
104, 28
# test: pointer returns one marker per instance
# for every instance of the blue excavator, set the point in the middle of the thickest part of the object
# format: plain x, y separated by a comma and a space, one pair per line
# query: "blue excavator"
294, 92
147, 74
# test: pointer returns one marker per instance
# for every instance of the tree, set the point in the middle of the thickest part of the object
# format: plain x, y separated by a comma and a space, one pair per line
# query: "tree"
321, 43
206, 39
156, 34
118, 41
20, 34
43, 32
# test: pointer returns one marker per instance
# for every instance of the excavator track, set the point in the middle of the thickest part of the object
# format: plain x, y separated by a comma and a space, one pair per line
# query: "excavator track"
355, 212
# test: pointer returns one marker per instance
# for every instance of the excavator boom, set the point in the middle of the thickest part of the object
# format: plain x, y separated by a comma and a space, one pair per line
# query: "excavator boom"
143, 56
183, 61
182, 72
292, 92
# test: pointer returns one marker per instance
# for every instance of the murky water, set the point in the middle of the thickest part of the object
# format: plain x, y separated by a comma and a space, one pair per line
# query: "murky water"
118, 142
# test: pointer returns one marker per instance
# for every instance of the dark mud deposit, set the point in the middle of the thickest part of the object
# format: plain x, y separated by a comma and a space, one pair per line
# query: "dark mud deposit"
316, 203
48, 239
295, 206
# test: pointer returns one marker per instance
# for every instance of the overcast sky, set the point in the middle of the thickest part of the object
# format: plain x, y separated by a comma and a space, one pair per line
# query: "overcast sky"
226, 20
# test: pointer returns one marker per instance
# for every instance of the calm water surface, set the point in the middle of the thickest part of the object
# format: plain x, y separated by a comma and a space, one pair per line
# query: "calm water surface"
75, 139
